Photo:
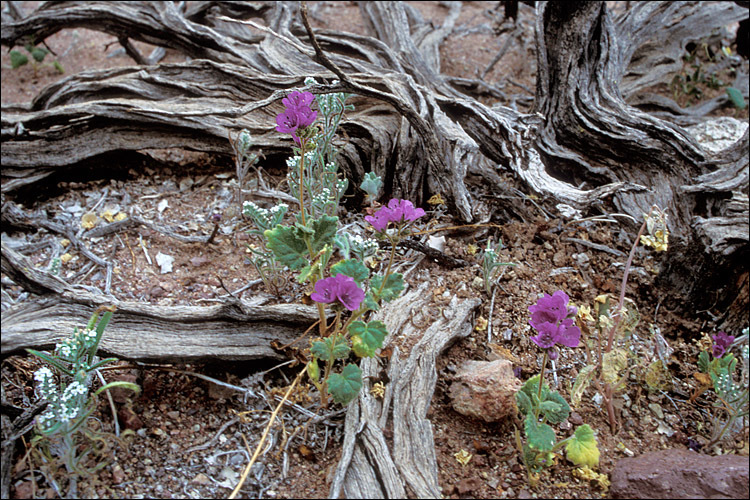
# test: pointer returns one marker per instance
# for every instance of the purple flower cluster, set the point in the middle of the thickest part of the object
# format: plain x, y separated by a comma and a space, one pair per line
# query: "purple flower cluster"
552, 317
397, 211
339, 288
297, 114
721, 342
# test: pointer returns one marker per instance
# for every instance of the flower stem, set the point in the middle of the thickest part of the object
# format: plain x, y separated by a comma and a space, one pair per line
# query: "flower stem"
390, 263
541, 382
303, 143
621, 302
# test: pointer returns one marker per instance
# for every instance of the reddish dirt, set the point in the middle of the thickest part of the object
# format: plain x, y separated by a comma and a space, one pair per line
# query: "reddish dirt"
179, 411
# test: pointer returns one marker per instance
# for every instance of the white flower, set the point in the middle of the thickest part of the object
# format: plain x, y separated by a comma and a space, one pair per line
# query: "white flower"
42, 374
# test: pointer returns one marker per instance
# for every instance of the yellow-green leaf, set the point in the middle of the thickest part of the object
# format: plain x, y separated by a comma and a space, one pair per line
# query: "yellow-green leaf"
614, 362
582, 382
582, 449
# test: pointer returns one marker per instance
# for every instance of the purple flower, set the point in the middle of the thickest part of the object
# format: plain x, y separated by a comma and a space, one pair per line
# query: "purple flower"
403, 210
547, 335
380, 220
296, 115
550, 334
721, 342
339, 288
550, 317
397, 211
297, 100
551, 309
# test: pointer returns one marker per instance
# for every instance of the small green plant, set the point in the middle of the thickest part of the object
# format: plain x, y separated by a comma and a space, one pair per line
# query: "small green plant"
371, 186
243, 159
38, 54
490, 265
552, 318
62, 430
610, 349
731, 392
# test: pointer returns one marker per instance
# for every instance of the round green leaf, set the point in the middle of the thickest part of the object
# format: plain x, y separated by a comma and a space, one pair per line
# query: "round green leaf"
345, 387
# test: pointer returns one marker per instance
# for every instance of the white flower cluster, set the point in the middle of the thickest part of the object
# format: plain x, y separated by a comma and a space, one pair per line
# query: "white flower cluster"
362, 247
67, 349
293, 162
46, 382
323, 197
62, 408
270, 217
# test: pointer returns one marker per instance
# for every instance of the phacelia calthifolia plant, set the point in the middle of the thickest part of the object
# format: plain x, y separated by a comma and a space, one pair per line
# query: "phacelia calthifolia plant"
552, 318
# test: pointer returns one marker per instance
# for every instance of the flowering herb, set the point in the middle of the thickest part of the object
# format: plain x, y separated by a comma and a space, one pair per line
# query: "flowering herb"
732, 394
721, 342
62, 426
614, 327
307, 245
552, 317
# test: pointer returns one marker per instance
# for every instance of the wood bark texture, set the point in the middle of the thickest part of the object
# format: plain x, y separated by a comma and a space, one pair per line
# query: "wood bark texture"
371, 466
232, 331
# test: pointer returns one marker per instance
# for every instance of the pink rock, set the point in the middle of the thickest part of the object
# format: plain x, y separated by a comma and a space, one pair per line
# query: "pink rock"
678, 473
485, 390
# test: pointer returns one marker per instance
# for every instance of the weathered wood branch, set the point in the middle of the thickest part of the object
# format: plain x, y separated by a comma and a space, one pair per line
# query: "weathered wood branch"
234, 330
369, 467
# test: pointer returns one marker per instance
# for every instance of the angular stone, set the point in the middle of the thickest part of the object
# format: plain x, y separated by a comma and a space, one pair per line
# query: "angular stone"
485, 390
678, 473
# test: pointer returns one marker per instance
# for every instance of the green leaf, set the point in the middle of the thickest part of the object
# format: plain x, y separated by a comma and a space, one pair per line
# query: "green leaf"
582, 449
367, 337
324, 231
53, 361
531, 388
99, 332
342, 241
541, 436
352, 268
734, 95
394, 285
330, 346
524, 403
39, 53
17, 59
582, 382
58, 67
345, 387
287, 246
555, 408
703, 361
370, 302
119, 383
372, 184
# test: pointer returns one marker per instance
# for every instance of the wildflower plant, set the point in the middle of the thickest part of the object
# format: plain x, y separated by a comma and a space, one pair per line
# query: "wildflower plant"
244, 159
553, 319
490, 265
262, 259
609, 330
731, 392
65, 385
306, 245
